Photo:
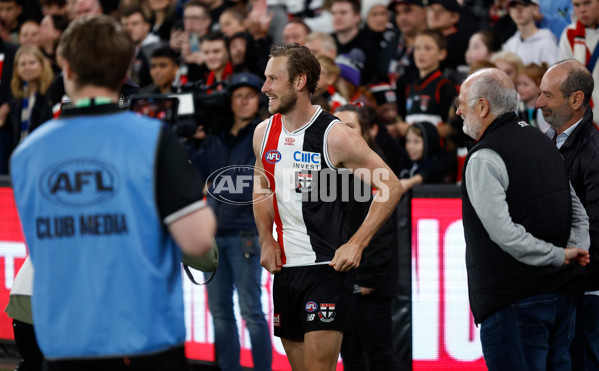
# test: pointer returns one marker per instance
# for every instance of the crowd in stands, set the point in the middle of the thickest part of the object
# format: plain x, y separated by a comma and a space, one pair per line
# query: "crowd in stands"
402, 61
405, 58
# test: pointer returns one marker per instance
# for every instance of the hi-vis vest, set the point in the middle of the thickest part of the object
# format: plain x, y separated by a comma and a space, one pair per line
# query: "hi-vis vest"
107, 274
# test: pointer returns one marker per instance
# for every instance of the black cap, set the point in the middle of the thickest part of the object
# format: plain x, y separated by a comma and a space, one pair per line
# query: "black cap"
451, 5
245, 79
409, 2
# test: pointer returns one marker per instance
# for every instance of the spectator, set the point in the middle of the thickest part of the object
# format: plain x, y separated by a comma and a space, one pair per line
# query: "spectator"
528, 87
579, 41
348, 84
295, 31
410, 18
138, 290
370, 345
29, 33
566, 90
214, 52
552, 19
379, 30
232, 21
51, 28
87, 7
216, 8
58, 7
30, 82
237, 237
196, 24
7, 58
164, 65
531, 44
10, 15
162, 17
445, 16
482, 46
509, 63
429, 162
386, 103
519, 255
238, 51
138, 27
431, 98
329, 76
349, 38
321, 43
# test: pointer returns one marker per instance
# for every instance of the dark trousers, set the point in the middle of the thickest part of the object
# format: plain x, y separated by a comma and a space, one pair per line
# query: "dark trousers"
532, 334
31, 356
370, 345
585, 346
170, 360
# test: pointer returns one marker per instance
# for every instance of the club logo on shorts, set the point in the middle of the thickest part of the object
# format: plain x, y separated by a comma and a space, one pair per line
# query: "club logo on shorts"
327, 312
311, 306
276, 320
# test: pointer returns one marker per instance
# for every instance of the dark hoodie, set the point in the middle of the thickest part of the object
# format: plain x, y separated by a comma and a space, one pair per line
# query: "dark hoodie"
436, 163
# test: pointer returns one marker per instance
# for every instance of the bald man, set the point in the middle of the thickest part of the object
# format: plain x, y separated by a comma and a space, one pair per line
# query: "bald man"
566, 91
526, 232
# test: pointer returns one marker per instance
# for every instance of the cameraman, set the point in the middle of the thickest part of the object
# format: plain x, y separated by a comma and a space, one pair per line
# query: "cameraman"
237, 236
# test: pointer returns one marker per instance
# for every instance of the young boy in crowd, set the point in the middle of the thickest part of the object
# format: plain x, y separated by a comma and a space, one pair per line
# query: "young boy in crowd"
531, 44
164, 65
430, 98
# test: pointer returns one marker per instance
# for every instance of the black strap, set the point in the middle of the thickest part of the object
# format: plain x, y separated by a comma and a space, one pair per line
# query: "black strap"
190, 276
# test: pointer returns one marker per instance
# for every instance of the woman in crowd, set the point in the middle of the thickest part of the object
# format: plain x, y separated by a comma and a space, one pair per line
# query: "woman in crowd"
32, 76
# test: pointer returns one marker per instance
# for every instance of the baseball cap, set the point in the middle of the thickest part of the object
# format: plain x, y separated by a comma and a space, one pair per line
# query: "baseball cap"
245, 79
451, 5
409, 2
383, 93
523, 2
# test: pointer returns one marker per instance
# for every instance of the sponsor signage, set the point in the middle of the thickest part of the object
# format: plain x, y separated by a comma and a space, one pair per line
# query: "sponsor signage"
444, 335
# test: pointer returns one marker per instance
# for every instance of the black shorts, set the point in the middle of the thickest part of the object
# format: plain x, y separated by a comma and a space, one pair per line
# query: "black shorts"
311, 298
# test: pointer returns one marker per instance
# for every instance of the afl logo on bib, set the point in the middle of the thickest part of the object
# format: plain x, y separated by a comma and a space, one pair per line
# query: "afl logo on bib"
273, 156
81, 182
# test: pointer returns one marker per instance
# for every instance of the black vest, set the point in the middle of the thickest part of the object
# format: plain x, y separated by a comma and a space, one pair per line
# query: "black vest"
538, 198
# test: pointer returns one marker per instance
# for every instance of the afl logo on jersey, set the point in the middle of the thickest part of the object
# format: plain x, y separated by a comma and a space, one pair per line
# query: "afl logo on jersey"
273, 156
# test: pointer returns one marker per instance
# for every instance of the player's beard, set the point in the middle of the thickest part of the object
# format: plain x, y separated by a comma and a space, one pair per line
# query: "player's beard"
286, 102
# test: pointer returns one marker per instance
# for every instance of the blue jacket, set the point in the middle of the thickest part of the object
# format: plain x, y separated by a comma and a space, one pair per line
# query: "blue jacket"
107, 273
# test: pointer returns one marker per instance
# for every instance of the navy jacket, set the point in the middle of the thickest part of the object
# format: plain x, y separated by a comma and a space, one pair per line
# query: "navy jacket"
581, 155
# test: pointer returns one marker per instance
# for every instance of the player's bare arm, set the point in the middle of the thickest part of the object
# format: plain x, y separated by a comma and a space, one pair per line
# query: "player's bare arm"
348, 150
270, 255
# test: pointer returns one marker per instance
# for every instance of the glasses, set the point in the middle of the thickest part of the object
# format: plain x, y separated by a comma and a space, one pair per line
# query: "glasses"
458, 102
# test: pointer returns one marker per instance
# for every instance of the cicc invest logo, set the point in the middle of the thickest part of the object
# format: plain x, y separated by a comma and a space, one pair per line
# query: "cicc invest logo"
236, 185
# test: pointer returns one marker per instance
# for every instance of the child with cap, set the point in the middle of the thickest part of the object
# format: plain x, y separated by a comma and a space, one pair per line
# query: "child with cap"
531, 44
